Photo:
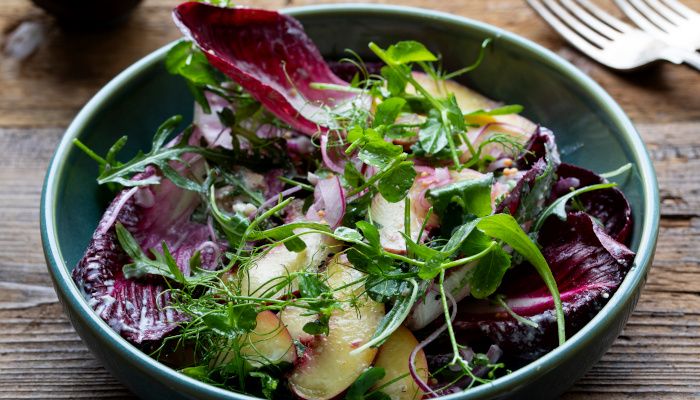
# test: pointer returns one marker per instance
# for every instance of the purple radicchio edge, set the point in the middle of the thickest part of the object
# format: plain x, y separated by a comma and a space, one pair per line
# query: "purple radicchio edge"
586, 254
272, 58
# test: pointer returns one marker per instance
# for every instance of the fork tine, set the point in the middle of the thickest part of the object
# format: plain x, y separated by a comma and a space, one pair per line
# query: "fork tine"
590, 20
652, 15
637, 17
666, 12
564, 30
681, 9
588, 33
605, 17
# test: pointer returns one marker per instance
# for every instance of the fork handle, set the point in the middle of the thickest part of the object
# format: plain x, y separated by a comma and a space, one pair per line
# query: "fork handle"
691, 58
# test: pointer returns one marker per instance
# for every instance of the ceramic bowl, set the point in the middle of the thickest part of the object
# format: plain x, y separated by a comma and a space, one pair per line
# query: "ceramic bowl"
591, 130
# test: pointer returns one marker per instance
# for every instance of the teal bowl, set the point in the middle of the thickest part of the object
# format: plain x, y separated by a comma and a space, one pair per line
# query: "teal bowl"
591, 130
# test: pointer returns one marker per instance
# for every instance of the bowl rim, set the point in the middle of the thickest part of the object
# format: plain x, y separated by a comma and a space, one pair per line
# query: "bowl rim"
78, 307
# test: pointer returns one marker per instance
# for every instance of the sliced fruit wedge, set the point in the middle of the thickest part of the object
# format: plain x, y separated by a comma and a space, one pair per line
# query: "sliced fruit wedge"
268, 344
327, 368
262, 277
469, 100
394, 356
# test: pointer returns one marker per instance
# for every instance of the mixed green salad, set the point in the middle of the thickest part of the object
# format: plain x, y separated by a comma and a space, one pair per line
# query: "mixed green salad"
325, 229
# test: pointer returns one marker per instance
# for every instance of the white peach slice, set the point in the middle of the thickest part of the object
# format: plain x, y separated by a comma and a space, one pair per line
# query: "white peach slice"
268, 344
262, 276
327, 368
394, 356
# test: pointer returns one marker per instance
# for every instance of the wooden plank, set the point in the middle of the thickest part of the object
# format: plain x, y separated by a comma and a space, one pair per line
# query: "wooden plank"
34, 91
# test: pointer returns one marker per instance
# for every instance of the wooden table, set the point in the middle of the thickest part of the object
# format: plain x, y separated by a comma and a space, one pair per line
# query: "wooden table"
41, 356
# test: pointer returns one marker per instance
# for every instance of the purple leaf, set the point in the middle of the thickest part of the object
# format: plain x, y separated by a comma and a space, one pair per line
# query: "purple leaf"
609, 206
138, 309
271, 57
588, 265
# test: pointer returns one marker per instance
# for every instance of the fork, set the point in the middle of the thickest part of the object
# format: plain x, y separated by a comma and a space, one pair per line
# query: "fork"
605, 38
669, 21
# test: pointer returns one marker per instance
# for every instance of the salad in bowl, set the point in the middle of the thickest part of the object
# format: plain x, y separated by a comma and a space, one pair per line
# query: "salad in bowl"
345, 228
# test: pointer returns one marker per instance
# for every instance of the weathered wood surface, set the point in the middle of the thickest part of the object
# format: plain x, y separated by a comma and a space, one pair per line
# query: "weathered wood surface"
657, 355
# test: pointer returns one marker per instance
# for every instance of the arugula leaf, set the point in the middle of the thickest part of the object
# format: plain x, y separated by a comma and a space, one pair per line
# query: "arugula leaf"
459, 236
364, 383
504, 227
164, 264
158, 156
393, 319
558, 207
387, 111
396, 184
489, 272
472, 196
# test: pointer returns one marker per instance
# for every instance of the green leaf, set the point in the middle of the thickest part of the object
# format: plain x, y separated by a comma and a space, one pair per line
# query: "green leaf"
232, 320
379, 153
396, 79
432, 136
158, 156
504, 227
473, 196
382, 290
364, 383
489, 272
432, 267
200, 372
558, 207
319, 326
459, 236
395, 185
387, 111
311, 286
419, 250
348, 234
172, 264
370, 232
352, 176
409, 51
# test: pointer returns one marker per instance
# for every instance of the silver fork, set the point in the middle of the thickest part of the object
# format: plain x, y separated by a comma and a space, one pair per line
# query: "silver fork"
669, 21
605, 38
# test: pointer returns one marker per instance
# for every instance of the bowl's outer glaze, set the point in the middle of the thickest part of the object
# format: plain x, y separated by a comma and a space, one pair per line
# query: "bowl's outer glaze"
591, 129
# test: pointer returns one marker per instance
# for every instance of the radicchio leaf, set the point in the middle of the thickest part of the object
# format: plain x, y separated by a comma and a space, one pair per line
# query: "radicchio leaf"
540, 161
588, 265
270, 56
138, 308
609, 206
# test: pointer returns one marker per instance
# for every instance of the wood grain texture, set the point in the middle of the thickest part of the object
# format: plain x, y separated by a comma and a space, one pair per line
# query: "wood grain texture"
657, 355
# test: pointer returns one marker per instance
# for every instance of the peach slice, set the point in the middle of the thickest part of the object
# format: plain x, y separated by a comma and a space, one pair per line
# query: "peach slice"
269, 343
393, 356
262, 275
328, 368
